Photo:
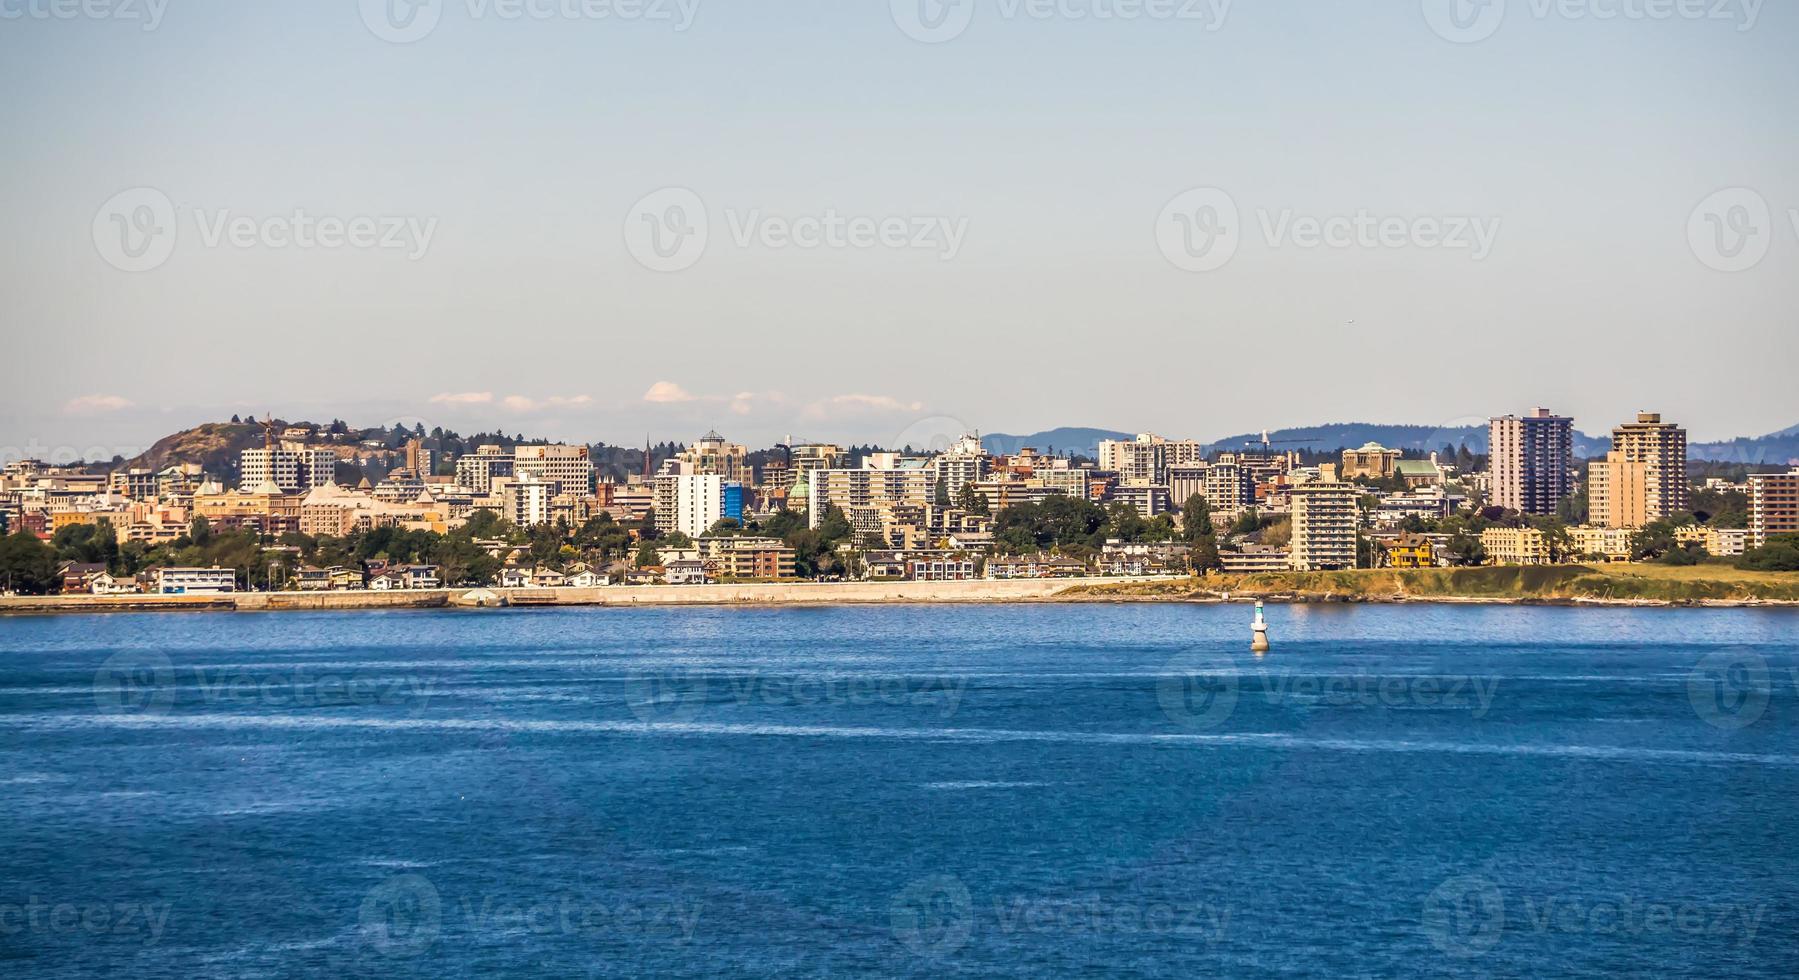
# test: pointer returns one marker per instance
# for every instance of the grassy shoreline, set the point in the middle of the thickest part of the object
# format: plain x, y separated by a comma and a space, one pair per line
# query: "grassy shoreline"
1559, 584
1617, 585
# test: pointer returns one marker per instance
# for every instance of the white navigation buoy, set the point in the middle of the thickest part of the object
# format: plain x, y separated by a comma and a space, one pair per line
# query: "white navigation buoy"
1260, 628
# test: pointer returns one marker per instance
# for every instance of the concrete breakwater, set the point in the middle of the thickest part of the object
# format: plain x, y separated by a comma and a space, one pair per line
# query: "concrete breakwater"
788, 593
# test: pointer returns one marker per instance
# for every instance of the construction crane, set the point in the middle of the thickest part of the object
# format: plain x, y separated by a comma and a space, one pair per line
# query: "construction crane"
1268, 443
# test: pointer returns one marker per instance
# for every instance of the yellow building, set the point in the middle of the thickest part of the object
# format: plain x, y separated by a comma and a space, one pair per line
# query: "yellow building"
1608, 543
1411, 551
1515, 546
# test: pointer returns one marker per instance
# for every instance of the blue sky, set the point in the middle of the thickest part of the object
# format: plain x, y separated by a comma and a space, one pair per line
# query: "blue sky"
514, 166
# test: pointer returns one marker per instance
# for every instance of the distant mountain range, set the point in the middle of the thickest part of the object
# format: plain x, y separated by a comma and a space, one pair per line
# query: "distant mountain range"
1777, 448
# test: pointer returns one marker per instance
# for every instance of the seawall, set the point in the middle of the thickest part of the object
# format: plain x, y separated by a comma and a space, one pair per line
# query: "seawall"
784, 594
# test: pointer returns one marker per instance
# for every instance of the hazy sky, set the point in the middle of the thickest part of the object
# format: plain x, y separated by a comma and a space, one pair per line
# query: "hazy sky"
1016, 218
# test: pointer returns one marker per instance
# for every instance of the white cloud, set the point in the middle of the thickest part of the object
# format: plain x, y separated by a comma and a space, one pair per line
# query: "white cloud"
463, 398
666, 393
523, 404
96, 405
857, 404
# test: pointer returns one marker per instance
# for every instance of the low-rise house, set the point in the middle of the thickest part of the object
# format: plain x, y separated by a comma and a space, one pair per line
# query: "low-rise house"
1143, 557
1253, 558
307, 578
941, 567
78, 577
196, 581
644, 576
1410, 551
685, 571
547, 578
421, 577
1035, 566
583, 577
105, 584
515, 577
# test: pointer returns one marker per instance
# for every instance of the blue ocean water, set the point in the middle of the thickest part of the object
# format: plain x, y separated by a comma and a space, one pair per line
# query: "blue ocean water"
902, 791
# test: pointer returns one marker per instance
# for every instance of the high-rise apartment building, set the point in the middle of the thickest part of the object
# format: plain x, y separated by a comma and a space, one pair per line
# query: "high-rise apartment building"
964, 463
292, 470
1145, 460
1230, 487
477, 471
870, 487
690, 503
1661, 448
567, 466
1324, 526
1617, 492
1773, 506
1532, 461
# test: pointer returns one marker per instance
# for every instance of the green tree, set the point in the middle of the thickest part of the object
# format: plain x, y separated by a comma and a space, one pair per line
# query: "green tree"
972, 502
27, 565
1780, 554
1196, 519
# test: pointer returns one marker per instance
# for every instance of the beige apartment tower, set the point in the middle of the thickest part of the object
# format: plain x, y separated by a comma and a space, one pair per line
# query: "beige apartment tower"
1324, 526
1661, 448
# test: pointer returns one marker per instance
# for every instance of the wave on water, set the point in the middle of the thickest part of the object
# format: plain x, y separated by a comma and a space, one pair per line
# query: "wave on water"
1275, 740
